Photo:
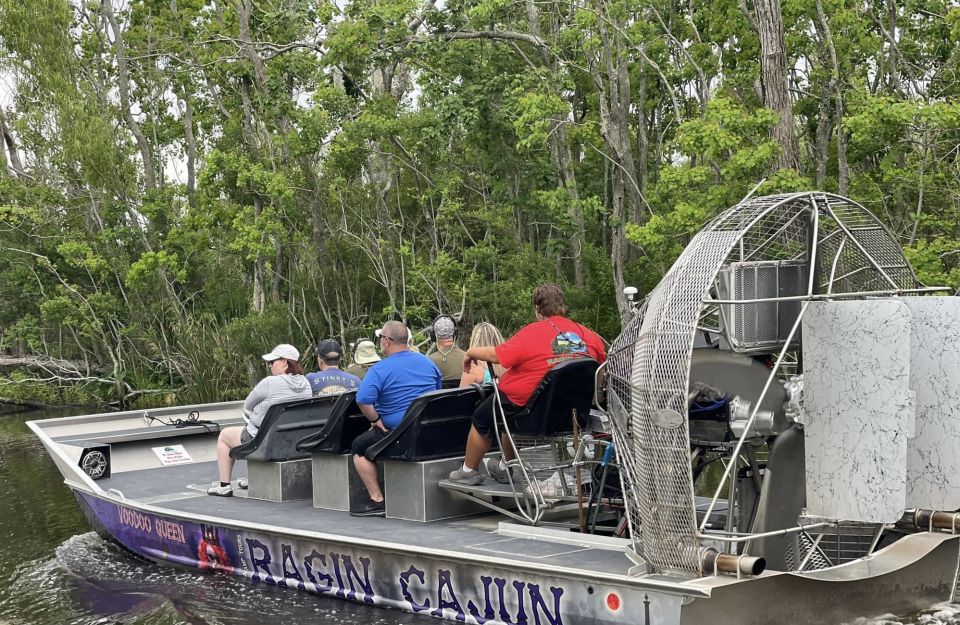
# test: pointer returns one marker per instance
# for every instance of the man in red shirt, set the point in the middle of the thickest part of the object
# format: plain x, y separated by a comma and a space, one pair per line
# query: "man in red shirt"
527, 356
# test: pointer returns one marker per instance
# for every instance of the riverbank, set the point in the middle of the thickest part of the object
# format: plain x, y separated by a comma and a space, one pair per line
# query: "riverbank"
24, 389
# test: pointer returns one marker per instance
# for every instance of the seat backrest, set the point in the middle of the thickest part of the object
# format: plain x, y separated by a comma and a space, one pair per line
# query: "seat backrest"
346, 422
435, 425
283, 426
567, 386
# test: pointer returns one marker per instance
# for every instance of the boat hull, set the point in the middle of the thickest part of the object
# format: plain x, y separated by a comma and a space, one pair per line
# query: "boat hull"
446, 589
913, 574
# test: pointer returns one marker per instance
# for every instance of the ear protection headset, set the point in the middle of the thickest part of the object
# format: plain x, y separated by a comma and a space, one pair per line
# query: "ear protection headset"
432, 335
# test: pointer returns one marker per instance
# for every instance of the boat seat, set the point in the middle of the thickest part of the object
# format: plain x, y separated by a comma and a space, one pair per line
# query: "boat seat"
285, 425
435, 425
344, 424
565, 390
547, 466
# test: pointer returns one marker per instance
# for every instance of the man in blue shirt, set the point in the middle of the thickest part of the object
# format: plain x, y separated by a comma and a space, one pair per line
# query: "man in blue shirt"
385, 392
330, 380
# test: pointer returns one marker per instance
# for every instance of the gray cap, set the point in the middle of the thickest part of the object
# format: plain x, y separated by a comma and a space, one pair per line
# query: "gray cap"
444, 327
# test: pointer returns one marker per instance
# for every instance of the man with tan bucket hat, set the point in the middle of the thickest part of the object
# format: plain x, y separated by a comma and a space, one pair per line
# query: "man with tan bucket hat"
364, 356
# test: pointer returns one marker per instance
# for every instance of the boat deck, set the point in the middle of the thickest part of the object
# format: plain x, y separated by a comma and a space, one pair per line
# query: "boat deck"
181, 490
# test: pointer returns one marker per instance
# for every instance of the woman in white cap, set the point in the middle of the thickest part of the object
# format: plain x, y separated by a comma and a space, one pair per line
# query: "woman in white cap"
286, 382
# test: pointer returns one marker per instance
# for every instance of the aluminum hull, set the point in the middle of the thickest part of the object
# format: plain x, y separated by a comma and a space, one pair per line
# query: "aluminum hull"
477, 570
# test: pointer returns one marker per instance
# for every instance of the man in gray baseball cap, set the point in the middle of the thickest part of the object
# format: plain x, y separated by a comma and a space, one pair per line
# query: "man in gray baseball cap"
446, 355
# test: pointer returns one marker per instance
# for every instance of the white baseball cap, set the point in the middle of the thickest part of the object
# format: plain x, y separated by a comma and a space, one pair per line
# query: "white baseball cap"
283, 350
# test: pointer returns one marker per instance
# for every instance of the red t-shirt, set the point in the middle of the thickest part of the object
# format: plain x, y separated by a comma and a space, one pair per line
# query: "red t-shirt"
537, 347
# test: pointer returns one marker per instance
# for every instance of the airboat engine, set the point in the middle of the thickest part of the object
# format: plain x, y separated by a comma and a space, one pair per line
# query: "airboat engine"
777, 294
724, 388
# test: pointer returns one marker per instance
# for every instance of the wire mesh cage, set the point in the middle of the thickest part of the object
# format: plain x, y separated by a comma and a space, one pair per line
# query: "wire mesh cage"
550, 461
832, 546
742, 278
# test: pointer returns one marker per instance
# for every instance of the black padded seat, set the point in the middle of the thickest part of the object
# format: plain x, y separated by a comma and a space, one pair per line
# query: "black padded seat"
284, 425
435, 425
450, 383
567, 386
346, 422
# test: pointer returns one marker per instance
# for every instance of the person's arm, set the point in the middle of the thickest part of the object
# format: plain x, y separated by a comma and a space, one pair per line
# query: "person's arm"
370, 412
599, 348
259, 393
367, 395
474, 376
475, 354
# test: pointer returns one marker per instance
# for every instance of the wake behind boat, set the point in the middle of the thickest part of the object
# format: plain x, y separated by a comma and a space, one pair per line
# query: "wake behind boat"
787, 345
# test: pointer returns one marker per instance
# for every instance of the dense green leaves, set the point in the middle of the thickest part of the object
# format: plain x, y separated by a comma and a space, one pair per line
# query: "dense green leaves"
320, 166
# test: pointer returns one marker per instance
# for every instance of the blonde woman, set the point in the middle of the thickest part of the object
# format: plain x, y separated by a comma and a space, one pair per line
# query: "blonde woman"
484, 335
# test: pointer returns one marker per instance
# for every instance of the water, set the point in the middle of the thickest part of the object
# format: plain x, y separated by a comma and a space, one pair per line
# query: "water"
55, 571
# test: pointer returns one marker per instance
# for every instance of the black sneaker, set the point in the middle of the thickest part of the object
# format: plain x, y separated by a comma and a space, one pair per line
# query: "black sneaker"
371, 508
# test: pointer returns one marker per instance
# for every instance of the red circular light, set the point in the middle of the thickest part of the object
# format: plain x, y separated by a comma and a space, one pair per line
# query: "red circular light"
613, 601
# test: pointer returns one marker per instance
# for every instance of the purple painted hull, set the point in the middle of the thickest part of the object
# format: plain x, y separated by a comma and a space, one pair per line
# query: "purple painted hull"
441, 588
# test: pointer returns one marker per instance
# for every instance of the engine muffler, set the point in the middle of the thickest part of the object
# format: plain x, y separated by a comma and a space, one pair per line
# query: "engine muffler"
713, 562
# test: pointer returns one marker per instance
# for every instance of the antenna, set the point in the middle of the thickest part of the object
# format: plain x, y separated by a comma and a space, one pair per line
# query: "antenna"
631, 294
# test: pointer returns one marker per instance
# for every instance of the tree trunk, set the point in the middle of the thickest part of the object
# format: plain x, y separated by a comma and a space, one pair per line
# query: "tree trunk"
13, 156
821, 147
4, 167
382, 176
191, 145
843, 167
259, 296
562, 158
836, 86
123, 88
609, 71
894, 60
258, 301
643, 139
776, 94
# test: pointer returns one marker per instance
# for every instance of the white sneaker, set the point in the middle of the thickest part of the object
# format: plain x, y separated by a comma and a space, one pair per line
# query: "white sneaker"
220, 491
243, 483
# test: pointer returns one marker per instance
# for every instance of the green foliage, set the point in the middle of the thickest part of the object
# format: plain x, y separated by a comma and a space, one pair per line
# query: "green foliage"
353, 162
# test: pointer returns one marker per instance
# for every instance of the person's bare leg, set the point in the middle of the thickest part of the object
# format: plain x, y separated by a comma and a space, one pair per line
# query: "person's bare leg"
506, 447
368, 475
229, 438
477, 446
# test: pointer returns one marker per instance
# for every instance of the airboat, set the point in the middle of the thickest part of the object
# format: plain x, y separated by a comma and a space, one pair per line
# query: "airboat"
779, 442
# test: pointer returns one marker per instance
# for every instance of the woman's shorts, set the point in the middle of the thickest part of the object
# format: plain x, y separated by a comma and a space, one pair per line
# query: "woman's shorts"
245, 436
483, 414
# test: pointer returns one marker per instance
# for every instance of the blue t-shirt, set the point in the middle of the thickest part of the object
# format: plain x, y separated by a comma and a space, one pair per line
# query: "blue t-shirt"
394, 382
332, 382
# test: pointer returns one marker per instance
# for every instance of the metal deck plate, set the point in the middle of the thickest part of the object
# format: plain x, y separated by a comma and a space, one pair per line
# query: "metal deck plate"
167, 488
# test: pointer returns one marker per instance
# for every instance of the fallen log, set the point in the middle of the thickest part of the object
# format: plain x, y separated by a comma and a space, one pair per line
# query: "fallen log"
46, 362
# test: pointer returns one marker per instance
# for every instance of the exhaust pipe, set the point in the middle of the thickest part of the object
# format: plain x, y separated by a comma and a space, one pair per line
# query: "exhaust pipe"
930, 520
712, 562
